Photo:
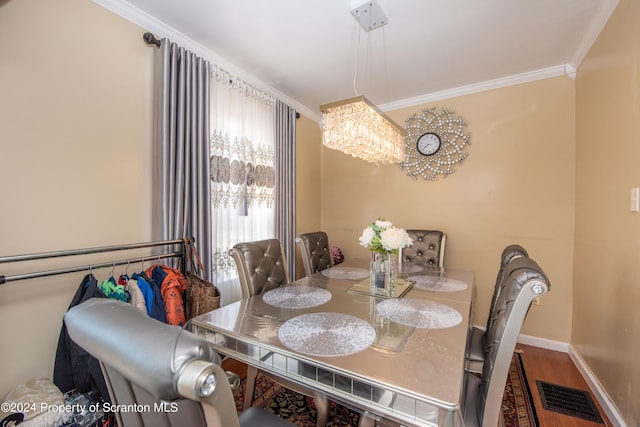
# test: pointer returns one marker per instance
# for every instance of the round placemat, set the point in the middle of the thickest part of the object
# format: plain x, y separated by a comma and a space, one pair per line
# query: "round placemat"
419, 313
347, 273
296, 296
407, 267
326, 334
438, 284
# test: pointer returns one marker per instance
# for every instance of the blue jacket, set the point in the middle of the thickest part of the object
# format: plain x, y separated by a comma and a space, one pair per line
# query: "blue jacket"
152, 296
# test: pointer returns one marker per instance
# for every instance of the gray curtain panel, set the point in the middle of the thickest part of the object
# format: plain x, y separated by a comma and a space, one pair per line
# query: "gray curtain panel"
285, 165
181, 196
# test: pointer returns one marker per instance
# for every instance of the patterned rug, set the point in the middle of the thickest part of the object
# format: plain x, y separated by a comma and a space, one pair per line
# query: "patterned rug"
517, 404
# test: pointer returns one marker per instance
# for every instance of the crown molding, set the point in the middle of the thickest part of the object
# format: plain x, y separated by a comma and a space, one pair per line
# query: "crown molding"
151, 24
598, 23
544, 73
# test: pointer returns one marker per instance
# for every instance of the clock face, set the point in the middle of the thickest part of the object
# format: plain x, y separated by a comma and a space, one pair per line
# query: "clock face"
429, 144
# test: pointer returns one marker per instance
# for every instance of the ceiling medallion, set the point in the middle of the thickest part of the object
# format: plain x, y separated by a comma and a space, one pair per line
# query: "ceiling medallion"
434, 144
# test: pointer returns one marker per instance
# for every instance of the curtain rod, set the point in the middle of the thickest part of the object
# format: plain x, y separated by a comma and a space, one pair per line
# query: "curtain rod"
151, 39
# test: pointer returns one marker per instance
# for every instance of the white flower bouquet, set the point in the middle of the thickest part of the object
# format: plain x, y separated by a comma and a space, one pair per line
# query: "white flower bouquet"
383, 238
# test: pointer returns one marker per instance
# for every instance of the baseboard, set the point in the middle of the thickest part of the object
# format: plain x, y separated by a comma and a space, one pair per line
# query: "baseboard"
600, 393
544, 343
539, 342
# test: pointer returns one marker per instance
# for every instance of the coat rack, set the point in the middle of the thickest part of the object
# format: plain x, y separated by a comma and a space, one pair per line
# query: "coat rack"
87, 251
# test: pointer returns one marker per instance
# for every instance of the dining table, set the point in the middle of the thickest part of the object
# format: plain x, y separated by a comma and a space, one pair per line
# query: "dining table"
396, 355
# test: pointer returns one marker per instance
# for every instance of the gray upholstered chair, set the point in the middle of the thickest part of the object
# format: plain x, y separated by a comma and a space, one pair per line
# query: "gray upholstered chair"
315, 251
168, 372
261, 267
523, 281
427, 248
478, 344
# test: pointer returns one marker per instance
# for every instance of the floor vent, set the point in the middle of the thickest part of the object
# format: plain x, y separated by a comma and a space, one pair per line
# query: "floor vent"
568, 401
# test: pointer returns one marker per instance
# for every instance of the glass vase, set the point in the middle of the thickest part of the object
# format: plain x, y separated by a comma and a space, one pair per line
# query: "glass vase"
383, 273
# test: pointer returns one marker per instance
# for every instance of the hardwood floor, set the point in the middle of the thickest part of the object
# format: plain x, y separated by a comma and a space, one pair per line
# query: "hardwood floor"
557, 368
539, 364
233, 365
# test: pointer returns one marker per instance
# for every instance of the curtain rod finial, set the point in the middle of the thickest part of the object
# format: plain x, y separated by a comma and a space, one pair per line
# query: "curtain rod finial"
150, 38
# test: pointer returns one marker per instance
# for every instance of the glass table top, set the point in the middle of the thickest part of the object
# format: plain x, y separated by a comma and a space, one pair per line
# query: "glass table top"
356, 348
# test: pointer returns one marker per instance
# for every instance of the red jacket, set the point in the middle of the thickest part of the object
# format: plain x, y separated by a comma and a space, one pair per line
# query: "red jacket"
172, 288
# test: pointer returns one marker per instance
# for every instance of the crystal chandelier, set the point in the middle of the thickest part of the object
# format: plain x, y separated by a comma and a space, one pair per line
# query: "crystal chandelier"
356, 127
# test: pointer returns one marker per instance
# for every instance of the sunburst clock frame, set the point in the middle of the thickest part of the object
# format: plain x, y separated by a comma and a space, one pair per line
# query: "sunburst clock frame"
434, 144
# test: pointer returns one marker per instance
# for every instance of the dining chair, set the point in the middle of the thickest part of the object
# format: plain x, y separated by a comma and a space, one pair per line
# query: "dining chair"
427, 248
170, 376
523, 281
261, 267
315, 251
477, 344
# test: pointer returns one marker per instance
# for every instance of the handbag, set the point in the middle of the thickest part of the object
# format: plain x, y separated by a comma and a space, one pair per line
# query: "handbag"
202, 295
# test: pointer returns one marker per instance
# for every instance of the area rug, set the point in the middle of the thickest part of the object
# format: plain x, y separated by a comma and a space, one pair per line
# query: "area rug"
517, 404
518, 409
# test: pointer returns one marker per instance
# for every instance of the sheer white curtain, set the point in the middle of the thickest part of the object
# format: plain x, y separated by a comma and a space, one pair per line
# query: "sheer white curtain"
242, 146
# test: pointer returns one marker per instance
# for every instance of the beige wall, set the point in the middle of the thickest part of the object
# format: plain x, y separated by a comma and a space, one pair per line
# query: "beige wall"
606, 319
75, 157
516, 186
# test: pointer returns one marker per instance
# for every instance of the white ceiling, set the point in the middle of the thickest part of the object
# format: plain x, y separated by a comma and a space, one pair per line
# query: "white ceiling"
307, 51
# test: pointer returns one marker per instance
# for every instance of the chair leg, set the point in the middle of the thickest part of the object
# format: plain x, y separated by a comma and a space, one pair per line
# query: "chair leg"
366, 420
252, 373
322, 405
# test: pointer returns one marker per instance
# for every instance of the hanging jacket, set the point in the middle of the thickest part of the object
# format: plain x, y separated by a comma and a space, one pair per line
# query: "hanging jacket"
113, 290
172, 286
74, 368
146, 290
136, 298
152, 295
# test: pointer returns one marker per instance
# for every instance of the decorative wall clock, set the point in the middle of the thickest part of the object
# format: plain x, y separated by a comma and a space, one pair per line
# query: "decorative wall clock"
434, 144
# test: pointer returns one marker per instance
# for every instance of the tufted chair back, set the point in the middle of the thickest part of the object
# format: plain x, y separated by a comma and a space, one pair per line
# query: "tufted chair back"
427, 248
478, 338
522, 282
315, 251
509, 253
261, 266
173, 375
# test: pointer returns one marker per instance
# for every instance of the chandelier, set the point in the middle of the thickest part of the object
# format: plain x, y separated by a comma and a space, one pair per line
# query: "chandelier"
356, 126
